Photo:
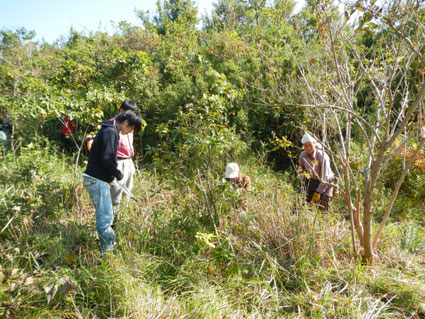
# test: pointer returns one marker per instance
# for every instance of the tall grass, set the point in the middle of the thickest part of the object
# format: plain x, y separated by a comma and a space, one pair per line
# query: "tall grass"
283, 259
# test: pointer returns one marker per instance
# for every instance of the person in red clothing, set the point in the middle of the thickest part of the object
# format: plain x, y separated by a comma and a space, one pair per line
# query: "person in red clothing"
67, 131
125, 154
68, 126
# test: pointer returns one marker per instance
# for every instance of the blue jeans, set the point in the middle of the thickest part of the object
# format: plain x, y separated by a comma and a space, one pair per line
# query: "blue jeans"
101, 198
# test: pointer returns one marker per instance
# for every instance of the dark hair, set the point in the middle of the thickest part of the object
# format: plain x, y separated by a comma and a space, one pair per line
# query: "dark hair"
128, 105
134, 119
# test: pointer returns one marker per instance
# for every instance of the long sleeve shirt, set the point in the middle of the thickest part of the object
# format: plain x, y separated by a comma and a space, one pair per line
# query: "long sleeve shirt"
102, 161
243, 183
318, 167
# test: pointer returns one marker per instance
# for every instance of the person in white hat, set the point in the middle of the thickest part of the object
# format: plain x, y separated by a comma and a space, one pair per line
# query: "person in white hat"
239, 181
315, 171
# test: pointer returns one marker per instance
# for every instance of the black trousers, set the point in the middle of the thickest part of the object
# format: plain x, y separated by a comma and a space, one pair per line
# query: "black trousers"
310, 187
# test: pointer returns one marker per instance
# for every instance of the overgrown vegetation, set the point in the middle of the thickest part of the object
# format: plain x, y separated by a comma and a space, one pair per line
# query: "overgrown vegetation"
230, 90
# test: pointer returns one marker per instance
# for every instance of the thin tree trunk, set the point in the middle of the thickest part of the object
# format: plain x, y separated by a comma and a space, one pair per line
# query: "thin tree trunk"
357, 223
368, 199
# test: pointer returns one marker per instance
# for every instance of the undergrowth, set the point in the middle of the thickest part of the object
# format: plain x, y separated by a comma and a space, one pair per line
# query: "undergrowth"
185, 252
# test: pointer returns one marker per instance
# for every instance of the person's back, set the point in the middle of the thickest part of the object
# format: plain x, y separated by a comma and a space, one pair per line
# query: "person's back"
68, 126
102, 161
3, 139
5, 124
5, 129
244, 182
240, 181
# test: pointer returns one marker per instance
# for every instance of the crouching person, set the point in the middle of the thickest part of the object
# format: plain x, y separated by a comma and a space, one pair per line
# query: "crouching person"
241, 182
316, 164
102, 170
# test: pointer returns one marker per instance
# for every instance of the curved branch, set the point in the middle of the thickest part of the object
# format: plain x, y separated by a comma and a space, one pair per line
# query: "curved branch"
408, 41
341, 109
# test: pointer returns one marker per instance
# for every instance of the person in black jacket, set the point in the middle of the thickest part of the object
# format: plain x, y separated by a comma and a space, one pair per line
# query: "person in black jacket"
102, 170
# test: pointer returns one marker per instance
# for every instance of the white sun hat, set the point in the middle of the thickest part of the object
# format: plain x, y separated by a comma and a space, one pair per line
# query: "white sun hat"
232, 170
307, 138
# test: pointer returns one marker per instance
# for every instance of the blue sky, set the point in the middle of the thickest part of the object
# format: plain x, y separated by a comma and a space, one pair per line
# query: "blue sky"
51, 19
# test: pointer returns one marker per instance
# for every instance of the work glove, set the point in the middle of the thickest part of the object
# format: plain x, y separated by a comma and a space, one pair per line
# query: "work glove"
115, 184
316, 197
